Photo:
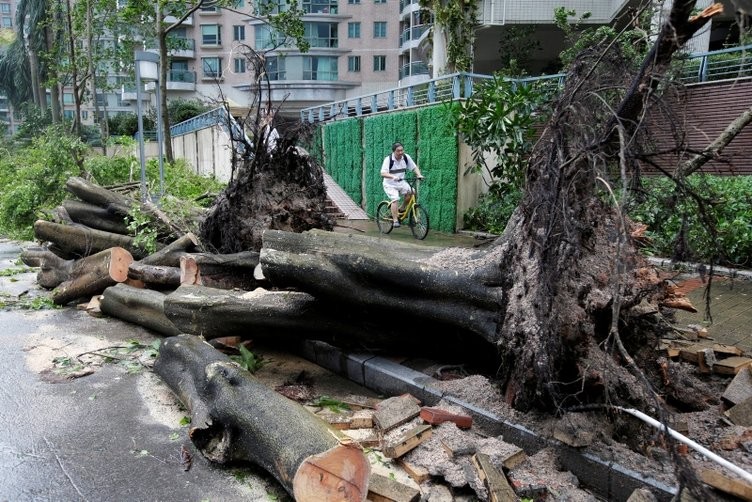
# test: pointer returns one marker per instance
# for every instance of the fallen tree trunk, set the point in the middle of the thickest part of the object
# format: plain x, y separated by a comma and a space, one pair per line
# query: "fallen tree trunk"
155, 274
80, 241
236, 418
392, 279
96, 217
91, 275
89, 192
214, 313
144, 307
212, 273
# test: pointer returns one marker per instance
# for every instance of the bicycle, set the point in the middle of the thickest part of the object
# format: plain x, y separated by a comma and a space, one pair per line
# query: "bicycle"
414, 213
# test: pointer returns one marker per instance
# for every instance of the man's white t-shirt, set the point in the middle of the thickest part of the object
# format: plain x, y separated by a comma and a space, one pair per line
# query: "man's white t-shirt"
399, 168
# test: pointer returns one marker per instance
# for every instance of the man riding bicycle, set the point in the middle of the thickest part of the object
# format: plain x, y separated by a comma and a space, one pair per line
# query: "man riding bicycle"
393, 171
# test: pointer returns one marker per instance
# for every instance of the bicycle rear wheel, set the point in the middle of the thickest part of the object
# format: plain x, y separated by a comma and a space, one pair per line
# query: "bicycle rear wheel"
419, 222
384, 217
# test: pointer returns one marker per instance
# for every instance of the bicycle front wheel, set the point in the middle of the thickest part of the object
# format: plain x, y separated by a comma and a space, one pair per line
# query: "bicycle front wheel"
419, 222
384, 217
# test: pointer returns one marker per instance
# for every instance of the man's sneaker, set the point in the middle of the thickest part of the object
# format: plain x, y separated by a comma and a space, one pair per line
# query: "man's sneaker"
396, 224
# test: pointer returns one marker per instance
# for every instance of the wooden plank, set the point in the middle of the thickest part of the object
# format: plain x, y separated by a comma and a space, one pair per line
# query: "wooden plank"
494, 481
416, 472
731, 365
395, 411
408, 441
741, 414
732, 486
384, 489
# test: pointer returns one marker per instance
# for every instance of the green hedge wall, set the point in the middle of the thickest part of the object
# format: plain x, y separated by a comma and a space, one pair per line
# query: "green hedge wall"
437, 159
344, 156
355, 149
379, 132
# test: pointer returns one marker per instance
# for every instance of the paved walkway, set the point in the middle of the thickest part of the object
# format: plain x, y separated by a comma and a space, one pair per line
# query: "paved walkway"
730, 308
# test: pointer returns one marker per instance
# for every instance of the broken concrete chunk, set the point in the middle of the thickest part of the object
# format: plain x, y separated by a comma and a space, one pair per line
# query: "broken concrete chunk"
361, 419
339, 421
407, 441
502, 454
436, 416
361, 402
740, 387
642, 495
570, 434
384, 489
395, 411
440, 493
741, 414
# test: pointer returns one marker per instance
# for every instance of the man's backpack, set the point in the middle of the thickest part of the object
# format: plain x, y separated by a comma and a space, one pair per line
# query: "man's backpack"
391, 161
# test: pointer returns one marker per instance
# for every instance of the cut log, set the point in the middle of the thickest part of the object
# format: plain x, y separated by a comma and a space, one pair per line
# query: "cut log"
220, 271
144, 307
94, 216
155, 274
91, 275
259, 314
236, 418
80, 241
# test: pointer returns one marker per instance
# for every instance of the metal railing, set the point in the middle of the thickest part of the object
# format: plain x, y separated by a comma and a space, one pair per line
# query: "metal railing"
217, 116
716, 65
181, 76
696, 67
413, 33
446, 88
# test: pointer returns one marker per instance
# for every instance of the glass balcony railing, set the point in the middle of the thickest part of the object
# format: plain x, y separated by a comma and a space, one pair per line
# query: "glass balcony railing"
413, 33
414, 68
181, 76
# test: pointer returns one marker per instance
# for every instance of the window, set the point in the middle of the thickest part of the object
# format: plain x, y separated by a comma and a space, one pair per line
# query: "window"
353, 30
267, 38
319, 68
238, 32
68, 114
211, 34
353, 2
84, 114
353, 64
239, 4
379, 63
67, 98
379, 29
211, 67
4, 8
320, 6
239, 64
269, 7
7, 22
275, 68
209, 10
321, 34
379, 1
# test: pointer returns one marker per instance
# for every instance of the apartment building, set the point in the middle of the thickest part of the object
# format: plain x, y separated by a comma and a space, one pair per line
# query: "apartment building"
358, 47
8, 118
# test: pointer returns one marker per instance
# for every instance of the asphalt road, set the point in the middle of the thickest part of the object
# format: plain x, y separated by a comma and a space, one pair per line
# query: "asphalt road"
114, 434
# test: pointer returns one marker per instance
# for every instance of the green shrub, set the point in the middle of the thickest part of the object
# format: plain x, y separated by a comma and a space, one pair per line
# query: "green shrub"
33, 178
493, 210
729, 210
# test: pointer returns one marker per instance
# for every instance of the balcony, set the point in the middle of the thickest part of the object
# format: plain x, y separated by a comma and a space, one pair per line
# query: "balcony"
414, 68
181, 80
181, 47
128, 93
410, 38
172, 19
407, 6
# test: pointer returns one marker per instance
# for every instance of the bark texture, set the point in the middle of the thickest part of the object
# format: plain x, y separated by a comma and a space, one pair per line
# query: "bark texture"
236, 418
91, 275
144, 307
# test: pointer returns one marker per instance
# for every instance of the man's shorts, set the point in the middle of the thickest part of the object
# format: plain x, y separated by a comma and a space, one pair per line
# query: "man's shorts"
394, 190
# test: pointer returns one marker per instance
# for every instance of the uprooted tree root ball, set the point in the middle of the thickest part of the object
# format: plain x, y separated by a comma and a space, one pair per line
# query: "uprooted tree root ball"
279, 187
